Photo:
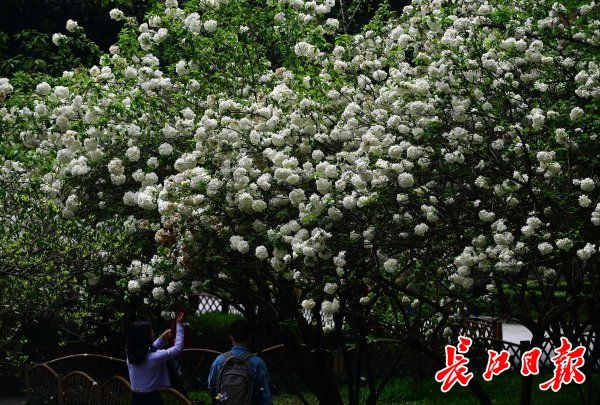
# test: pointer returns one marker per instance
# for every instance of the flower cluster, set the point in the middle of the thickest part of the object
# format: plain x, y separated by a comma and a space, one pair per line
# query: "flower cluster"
459, 137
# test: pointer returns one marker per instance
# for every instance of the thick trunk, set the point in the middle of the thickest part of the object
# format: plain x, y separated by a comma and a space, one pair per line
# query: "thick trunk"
329, 390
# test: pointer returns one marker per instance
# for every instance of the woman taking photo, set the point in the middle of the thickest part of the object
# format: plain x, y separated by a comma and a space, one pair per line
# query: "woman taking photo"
147, 361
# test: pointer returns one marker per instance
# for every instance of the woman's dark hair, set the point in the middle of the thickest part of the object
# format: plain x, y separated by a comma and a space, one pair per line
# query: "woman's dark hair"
139, 341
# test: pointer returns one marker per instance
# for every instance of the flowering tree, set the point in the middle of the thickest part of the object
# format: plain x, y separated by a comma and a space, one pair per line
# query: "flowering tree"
376, 181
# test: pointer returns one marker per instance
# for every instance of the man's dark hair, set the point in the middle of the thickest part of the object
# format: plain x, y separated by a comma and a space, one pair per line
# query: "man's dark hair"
240, 330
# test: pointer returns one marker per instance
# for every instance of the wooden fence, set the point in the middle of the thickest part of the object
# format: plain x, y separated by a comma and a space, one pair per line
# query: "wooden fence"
47, 386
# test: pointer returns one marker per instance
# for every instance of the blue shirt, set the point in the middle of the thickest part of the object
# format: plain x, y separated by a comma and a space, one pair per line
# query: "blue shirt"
152, 373
261, 394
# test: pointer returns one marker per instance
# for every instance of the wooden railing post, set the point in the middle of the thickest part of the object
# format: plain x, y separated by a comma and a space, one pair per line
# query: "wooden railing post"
498, 331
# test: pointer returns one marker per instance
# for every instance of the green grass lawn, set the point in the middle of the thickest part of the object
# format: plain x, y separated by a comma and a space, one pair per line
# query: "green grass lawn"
503, 390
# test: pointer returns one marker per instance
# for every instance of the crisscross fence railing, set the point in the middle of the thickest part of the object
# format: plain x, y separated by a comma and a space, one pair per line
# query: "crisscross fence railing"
479, 356
210, 303
483, 328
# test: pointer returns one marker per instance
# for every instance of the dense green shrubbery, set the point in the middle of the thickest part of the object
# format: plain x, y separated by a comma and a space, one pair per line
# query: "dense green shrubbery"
212, 324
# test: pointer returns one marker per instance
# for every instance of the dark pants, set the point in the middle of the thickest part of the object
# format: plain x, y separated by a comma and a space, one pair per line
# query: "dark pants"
146, 398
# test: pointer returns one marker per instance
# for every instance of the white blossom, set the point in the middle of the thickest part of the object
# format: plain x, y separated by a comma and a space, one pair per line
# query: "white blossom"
72, 25
210, 25
545, 248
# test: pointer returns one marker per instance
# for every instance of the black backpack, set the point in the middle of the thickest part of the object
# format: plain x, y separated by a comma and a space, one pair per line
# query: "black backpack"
235, 380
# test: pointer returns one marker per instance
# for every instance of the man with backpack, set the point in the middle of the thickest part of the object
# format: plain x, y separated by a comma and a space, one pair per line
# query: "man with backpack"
239, 377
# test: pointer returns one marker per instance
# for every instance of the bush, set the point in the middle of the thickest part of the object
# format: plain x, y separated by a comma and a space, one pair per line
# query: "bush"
212, 324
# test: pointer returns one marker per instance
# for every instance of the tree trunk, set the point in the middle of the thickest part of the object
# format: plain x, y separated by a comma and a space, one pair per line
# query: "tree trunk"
527, 382
329, 391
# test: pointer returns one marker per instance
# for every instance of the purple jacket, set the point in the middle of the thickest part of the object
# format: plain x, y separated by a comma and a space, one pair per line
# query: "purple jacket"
152, 373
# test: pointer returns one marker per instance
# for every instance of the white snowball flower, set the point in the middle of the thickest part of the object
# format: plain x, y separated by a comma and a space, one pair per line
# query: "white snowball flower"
534, 222
261, 253
133, 286
165, 149
72, 25
349, 202
154, 21
116, 14
58, 38
118, 179
5, 87
152, 162
421, 229
238, 243
576, 114
332, 23
390, 265
305, 49
174, 286
192, 22
587, 184
486, 216
545, 248
330, 288
133, 154
115, 167
528, 231
296, 196
72, 202
146, 201
43, 89
308, 304
130, 198
279, 17
330, 307
158, 293
587, 251
596, 215
210, 25
61, 92
364, 300
584, 201
41, 110
180, 68
564, 244
406, 180
130, 72
138, 175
